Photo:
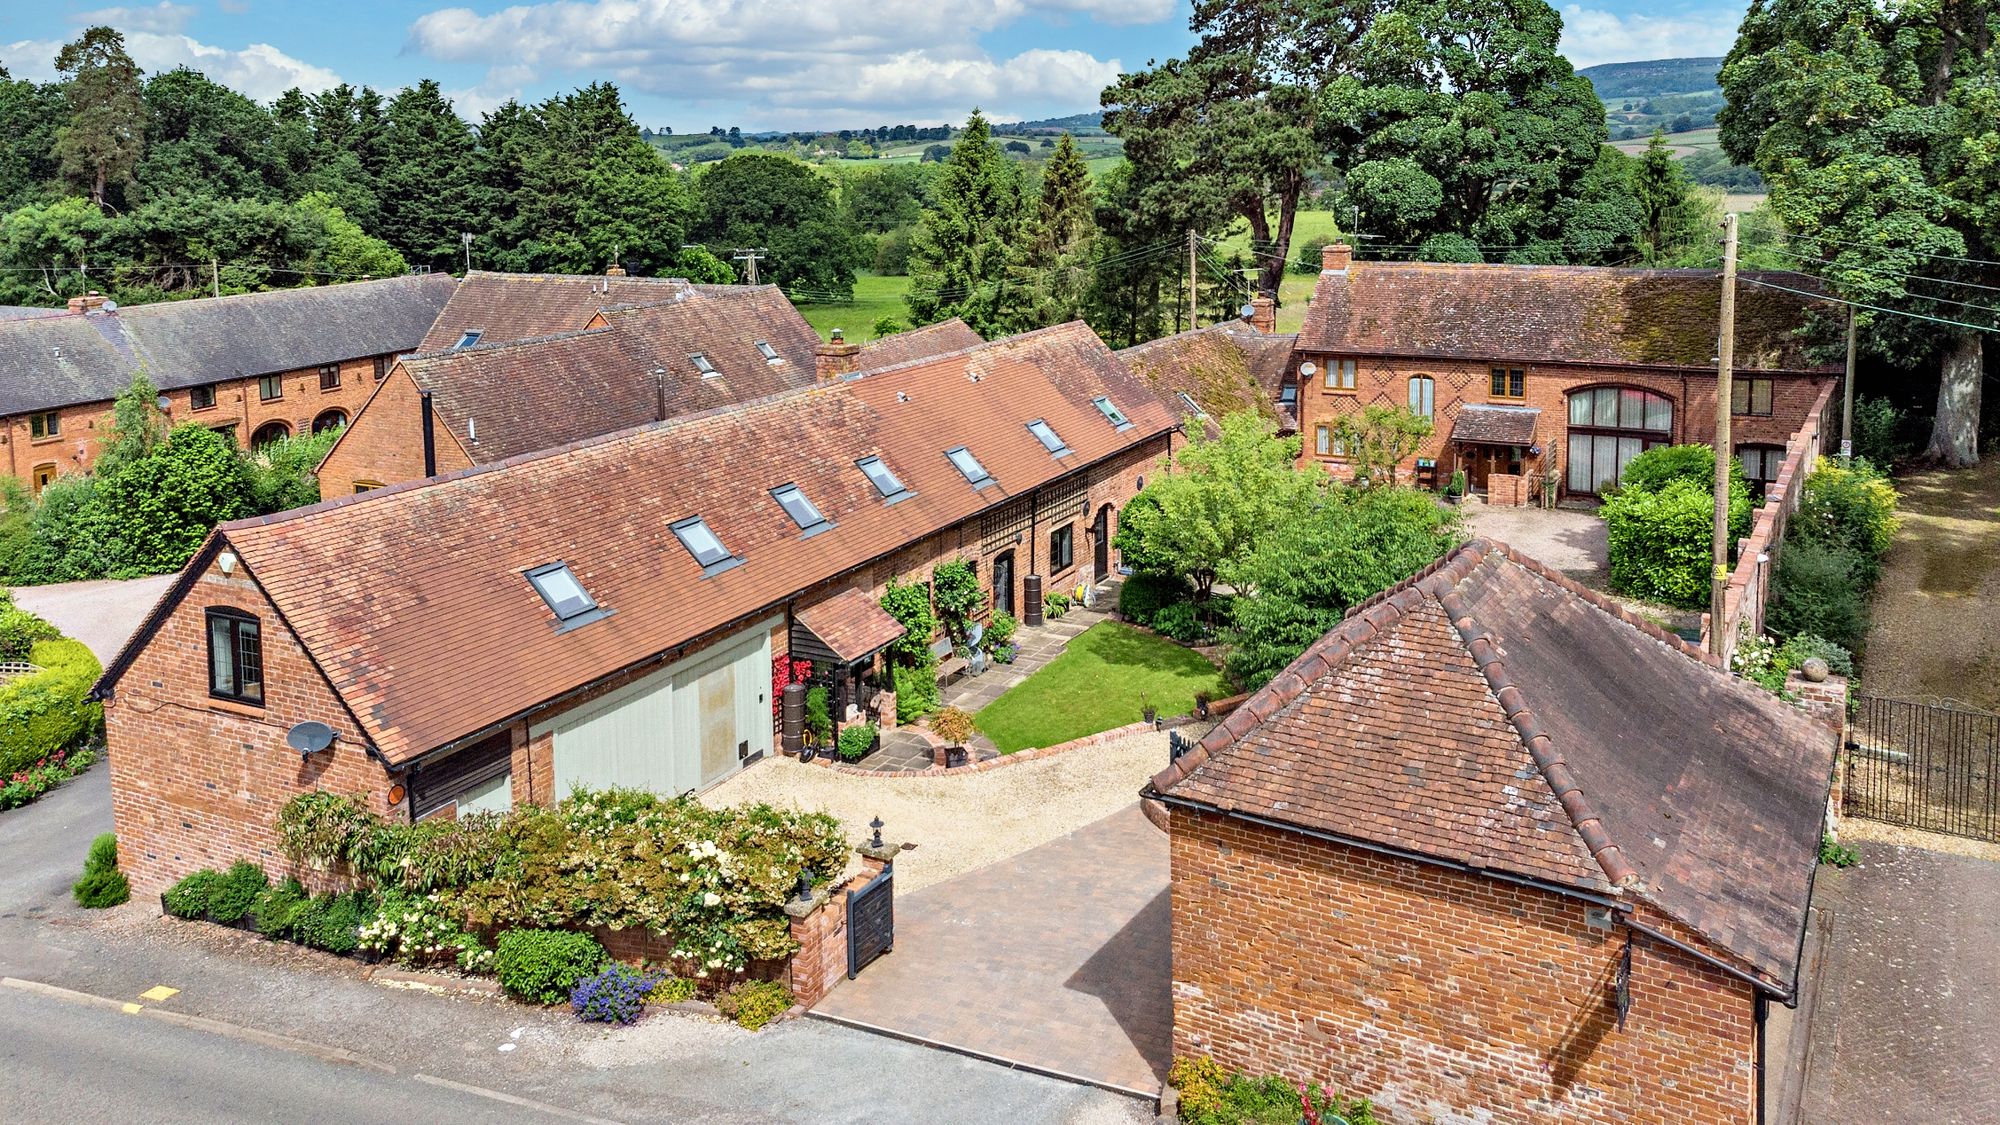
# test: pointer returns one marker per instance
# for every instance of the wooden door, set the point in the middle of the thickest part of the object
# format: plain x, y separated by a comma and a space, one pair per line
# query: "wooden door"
1100, 533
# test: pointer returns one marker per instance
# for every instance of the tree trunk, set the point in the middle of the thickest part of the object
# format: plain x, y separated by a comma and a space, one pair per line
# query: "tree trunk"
1955, 435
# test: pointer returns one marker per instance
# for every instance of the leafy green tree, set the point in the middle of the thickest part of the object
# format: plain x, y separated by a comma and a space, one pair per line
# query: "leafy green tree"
697, 264
1138, 276
1308, 571
164, 505
1225, 494
880, 199
1877, 128
767, 200
426, 187
204, 138
345, 252
30, 115
1052, 263
959, 253
137, 428
46, 247
593, 192
1380, 438
100, 143
73, 536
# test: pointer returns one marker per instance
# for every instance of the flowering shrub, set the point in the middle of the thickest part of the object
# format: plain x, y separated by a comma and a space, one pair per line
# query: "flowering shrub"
43, 775
616, 995
754, 1003
1210, 1095
784, 673
1767, 664
420, 931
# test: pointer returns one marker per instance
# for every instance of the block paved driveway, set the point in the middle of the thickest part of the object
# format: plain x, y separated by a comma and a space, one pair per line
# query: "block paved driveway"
1908, 1022
1057, 960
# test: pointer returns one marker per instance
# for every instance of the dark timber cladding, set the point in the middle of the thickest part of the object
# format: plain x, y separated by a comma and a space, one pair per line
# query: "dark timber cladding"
428, 648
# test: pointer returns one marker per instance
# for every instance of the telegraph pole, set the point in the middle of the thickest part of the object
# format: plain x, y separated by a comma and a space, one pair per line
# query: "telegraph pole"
1847, 393
1193, 297
1724, 368
749, 258
215, 280
466, 237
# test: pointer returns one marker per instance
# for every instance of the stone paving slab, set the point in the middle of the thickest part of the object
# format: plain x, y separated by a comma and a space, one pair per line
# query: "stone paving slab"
1057, 960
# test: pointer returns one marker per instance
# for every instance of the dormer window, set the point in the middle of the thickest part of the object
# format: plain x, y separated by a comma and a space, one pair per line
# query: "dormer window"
707, 549
702, 366
975, 473
885, 482
470, 338
802, 510
769, 353
1046, 434
566, 597
1111, 413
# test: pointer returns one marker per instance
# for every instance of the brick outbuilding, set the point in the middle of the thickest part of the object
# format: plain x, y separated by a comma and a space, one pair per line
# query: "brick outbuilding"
1496, 850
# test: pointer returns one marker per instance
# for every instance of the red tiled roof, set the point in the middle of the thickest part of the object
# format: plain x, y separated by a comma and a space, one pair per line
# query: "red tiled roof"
852, 624
935, 339
1492, 713
1495, 425
1547, 314
522, 306
535, 394
412, 598
1223, 368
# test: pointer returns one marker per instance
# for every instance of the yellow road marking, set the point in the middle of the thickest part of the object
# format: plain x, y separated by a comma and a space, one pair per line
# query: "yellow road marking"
158, 993
133, 1009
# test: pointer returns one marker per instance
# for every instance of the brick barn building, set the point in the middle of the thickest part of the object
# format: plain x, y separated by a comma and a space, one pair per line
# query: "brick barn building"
1210, 373
1529, 371
607, 612
257, 366
1496, 850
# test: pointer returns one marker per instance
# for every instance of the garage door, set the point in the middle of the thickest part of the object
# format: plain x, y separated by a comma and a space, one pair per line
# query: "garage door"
684, 727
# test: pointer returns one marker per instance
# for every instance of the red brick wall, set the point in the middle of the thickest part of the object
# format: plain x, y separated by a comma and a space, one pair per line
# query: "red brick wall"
1443, 996
197, 782
1385, 381
385, 444
236, 404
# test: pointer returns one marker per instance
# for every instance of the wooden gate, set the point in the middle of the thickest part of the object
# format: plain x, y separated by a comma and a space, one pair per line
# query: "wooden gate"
1934, 766
871, 920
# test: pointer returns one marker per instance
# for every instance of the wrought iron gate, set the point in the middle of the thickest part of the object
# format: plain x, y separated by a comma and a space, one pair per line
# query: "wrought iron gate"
871, 920
1934, 766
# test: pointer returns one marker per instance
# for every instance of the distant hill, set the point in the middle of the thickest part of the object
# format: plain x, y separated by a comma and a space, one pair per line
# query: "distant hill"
1078, 123
1653, 78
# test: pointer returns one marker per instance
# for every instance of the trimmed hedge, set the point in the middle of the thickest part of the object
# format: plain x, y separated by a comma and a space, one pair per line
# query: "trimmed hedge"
44, 712
1660, 541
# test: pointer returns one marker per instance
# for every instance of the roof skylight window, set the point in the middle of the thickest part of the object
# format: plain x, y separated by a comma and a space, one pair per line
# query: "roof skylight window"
566, 597
885, 482
1193, 407
770, 353
1046, 434
470, 338
702, 365
1111, 413
802, 510
975, 473
701, 542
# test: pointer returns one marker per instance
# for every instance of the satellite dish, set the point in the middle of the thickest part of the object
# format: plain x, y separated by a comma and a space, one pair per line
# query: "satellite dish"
1249, 311
1308, 369
309, 737
110, 306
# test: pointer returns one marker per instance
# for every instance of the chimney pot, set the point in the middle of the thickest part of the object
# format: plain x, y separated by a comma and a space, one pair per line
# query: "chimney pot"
616, 270
1263, 314
1334, 257
835, 358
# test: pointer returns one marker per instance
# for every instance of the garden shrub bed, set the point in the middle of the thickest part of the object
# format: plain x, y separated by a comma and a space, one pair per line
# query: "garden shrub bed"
1213, 1095
49, 710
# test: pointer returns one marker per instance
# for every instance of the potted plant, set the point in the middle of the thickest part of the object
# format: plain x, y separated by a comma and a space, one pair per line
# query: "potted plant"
819, 722
1146, 708
858, 741
954, 725
1455, 490
1201, 701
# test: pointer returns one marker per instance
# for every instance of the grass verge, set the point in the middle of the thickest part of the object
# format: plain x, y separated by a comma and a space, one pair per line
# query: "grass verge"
1103, 679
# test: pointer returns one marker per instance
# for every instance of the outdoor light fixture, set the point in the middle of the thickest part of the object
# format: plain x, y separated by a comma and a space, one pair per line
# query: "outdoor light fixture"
805, 886
396, 794
875, 841
227, 562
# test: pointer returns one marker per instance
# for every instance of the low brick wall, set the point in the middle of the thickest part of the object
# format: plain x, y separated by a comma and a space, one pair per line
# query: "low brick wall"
1507, 490
1001, 762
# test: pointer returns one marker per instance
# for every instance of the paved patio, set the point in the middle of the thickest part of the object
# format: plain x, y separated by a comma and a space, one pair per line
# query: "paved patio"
1057, 961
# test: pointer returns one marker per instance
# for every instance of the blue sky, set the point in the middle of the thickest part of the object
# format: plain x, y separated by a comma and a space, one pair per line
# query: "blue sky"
761, 64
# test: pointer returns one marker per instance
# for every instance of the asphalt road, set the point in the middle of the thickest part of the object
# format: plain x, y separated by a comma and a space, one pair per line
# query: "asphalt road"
100, 614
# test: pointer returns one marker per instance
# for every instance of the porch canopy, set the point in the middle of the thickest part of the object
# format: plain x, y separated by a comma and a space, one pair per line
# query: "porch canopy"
844, 629
1482, 424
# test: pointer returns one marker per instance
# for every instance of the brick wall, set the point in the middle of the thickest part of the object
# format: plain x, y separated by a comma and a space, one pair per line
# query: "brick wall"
1382, 380
385, 444
1508, 490
237, 406
1442, 995
197, 782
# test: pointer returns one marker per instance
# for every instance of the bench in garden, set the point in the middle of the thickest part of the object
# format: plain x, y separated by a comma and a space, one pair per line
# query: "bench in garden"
950, 664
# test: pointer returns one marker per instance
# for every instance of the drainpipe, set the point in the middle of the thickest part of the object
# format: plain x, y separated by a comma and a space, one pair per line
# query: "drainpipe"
430, 435
1763, 1010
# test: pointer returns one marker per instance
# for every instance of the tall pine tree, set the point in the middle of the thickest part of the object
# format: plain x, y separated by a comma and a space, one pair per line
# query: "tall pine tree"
427, 187
101, 142
1052, 264
960, 251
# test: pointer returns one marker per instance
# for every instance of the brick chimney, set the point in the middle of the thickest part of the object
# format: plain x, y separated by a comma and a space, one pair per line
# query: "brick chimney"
89, 302
1263, 314
1334, 257
835, 358
616, 270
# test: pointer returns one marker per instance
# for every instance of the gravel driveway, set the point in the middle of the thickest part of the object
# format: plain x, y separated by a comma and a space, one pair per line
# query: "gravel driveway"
959, 823
1570, 540
103, 615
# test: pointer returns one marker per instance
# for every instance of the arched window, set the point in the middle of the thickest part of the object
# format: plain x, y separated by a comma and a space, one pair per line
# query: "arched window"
1608, 426
268, 433
1423, 395
329, 419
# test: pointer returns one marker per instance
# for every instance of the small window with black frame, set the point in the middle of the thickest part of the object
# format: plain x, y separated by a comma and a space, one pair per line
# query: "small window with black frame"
235, 656
1062, 548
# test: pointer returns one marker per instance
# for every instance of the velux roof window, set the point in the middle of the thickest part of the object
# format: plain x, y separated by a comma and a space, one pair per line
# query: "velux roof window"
701, 542
770, 353
1046, 434
1111, 413
885, 482
975, 473
470, 338
802, 510
702, 365
1193, 407
566, 597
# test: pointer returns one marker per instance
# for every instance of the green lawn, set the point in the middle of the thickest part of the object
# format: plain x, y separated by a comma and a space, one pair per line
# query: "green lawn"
1102, 680
875, 297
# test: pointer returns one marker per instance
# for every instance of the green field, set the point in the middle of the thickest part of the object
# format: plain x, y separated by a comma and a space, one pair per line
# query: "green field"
1296, 287
1680, 144
875, 297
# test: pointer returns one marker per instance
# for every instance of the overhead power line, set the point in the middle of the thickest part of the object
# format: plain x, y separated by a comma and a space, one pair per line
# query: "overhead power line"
1867, 307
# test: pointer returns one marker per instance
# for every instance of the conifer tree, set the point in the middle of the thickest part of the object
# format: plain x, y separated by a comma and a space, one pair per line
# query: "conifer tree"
1052, 263
100, 144
960, 251
427, 189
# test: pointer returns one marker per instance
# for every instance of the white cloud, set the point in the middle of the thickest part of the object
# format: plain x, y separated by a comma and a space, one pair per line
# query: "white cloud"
258, 70
831, 63
162, 17
1592, 36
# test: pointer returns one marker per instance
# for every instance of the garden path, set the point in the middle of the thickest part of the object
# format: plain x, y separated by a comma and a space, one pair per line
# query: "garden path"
1940, 591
